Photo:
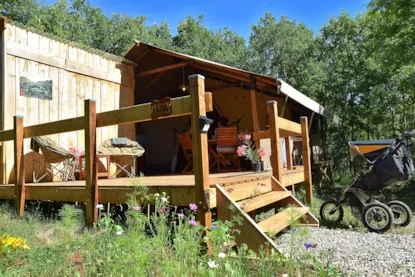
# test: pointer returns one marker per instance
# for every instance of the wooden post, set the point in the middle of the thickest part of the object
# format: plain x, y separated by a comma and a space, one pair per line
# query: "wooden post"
19, 174
254, 107
289, 151
275, 141
200, 150
306, 159
91, 170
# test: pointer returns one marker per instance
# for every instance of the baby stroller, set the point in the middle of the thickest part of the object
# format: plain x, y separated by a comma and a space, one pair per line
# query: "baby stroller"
382, 163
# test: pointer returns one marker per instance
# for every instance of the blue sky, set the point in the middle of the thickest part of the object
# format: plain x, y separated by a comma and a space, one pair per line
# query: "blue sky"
238, 15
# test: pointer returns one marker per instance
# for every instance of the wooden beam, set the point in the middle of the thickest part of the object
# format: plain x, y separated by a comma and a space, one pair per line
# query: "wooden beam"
275, 141
161, 69
138, 113
19, 171
282, 113
91, 170
289, 151
54, 127
6, 135
311, 122
142, 55
254, 106
141, 113
3, 23
288, 125
152, 81
200, 150
306, 160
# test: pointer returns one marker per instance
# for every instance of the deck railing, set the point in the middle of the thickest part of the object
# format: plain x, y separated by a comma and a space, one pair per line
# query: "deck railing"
284, 128
196, 104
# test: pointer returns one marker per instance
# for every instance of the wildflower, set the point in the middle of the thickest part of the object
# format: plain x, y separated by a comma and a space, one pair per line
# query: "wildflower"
180, 215
221, 255
213, 227
261, 152
310, 245
241, 150
163, 193
156, 195
212, 264
137, 208
118, 233
164, 199
193, 207
229, 190
163, 210
100, 206
193, 223
294, 229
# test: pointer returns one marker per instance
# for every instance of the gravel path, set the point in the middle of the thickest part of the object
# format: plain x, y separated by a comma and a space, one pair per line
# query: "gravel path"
359, 254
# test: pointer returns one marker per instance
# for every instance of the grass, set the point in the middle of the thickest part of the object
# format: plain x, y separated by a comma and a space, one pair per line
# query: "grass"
165, 242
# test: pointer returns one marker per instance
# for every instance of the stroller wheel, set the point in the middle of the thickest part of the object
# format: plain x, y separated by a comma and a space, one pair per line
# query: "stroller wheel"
377, 217
331, 212
402, 214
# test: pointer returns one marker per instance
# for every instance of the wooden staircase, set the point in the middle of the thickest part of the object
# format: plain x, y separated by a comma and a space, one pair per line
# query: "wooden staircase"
262, 193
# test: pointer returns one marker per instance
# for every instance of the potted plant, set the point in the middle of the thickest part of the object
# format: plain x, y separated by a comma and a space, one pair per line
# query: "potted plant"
74, 150
248, 150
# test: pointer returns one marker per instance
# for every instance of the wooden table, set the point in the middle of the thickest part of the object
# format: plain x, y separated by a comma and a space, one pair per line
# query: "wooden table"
106, 174
212, 150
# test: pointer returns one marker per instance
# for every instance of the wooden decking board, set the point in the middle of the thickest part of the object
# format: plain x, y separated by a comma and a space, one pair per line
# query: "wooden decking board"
283, 219
262, 200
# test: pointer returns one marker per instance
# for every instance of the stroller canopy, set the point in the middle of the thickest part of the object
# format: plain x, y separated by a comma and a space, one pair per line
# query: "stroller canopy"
397, 165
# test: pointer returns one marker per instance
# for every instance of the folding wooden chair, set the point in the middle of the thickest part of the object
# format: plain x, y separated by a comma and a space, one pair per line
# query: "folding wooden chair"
187, 146
58, 161
226, 148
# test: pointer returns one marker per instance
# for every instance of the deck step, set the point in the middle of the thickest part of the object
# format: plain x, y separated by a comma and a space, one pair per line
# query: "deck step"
283, 219
262, 200
241, 191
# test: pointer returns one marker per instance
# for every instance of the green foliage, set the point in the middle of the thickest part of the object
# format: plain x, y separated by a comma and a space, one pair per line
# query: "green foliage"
71, 216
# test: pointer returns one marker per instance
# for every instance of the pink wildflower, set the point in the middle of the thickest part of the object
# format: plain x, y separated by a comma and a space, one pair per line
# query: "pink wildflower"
229, 190
137, 208
261, 152
241, 150
244, 136
193, 223
163, 210
193, 207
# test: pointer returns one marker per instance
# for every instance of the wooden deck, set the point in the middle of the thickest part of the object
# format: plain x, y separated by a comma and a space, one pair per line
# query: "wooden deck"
180, 188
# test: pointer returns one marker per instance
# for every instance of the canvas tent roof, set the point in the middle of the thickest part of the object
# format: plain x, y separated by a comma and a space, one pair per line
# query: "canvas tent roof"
139, 49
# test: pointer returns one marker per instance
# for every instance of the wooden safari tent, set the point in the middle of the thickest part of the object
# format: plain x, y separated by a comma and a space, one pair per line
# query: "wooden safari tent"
239, 95
79, 97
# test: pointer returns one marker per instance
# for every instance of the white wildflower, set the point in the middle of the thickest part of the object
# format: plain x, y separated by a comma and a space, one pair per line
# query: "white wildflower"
100, 206
212, 264
118, 233
164, 199
221, 255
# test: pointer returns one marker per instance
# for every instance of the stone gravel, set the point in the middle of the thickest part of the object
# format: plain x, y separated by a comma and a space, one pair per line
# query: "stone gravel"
358, 253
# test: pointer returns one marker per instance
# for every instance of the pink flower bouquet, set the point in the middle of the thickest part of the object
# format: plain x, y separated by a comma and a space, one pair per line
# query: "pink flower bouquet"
248, 149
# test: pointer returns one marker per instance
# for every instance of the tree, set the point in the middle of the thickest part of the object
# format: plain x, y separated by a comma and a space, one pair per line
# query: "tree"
281, 49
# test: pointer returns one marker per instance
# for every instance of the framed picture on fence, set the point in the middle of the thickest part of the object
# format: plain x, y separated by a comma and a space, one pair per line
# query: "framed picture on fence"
35, 86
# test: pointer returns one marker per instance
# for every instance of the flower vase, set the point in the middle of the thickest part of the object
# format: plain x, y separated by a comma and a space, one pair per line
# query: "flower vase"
256, 166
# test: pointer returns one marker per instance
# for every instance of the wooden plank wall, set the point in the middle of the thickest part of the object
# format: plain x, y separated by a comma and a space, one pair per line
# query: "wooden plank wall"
70, 89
